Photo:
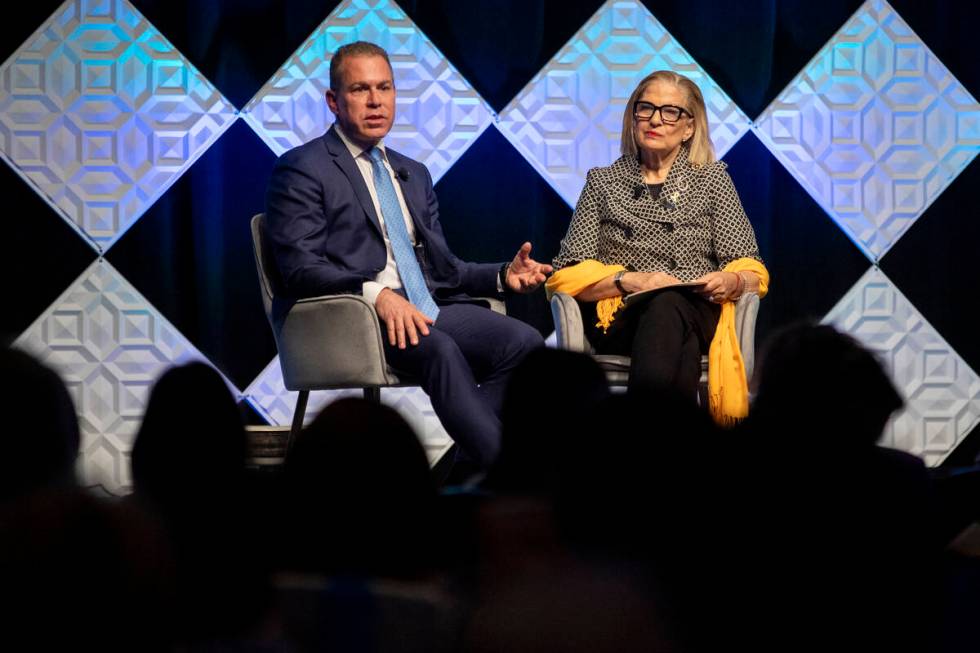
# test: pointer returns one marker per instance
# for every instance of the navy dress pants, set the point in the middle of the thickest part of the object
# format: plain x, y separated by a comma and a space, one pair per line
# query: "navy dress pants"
463, 365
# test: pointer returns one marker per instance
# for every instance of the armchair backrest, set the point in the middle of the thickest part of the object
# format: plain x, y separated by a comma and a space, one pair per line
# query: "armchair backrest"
264, 262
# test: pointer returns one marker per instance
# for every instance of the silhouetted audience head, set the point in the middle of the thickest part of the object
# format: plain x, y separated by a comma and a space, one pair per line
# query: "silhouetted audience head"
816, 380
40, 426
358, 494
844, 527
191, 444
548, 399
637, 473
82, 570
189, 469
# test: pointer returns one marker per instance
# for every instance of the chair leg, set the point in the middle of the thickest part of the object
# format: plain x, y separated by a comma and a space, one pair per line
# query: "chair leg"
703, 394
373, 394
298, 416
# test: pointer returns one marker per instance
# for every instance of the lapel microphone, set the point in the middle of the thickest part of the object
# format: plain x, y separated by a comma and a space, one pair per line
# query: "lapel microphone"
402, 174
638, 192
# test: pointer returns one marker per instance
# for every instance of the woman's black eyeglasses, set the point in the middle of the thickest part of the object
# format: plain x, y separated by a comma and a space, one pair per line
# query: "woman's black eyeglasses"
668, 112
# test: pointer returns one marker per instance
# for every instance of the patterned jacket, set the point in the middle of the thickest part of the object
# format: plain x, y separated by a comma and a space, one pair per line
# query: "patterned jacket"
695, 227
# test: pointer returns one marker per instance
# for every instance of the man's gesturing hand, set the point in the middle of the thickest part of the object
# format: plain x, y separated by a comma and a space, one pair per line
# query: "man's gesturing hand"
403, 320
524, 274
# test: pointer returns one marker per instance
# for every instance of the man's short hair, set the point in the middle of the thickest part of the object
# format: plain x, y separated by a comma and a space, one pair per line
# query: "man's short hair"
355, 49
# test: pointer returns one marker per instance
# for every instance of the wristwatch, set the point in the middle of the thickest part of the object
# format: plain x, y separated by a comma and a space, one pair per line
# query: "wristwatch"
618, 280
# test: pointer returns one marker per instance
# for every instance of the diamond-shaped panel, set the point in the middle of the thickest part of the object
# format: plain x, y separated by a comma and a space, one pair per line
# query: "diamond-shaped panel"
109, 345
874, 127
569, 117
276, 404
438, 114
941, 391
100, 114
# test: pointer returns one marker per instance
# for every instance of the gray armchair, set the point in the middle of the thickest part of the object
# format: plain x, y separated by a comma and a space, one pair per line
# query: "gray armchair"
571, 335
325, 343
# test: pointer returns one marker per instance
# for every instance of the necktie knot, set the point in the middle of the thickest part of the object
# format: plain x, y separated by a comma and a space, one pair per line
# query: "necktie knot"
376, 155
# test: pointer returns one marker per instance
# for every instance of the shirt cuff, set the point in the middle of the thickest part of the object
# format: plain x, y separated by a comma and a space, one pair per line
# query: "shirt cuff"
371, 290
500, 277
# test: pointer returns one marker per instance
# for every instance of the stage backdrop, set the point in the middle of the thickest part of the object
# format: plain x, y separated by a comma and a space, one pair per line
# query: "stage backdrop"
138, 137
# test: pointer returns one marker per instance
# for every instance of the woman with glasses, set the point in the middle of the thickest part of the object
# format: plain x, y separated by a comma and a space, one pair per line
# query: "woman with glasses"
664, 213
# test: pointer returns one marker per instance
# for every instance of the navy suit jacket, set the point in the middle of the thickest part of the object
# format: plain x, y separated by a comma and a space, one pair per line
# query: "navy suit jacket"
326, 236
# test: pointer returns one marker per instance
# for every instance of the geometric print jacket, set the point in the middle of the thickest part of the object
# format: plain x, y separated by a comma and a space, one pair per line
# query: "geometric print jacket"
696, 226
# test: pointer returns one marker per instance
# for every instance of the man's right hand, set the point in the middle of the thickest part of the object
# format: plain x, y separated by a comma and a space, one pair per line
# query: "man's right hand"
404, 321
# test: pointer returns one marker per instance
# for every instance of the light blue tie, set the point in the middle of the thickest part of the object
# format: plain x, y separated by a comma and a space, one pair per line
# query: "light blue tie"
401, 244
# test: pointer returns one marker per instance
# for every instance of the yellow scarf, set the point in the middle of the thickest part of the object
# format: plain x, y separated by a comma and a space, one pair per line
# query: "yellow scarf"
576, 278
728, 389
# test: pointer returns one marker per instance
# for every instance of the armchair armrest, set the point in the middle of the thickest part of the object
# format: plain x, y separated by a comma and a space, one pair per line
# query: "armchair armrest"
746, 312
568, 323
335, 341
332, 342
495, 305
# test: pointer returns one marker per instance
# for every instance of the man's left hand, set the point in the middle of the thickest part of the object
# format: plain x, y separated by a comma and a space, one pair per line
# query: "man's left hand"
524, 274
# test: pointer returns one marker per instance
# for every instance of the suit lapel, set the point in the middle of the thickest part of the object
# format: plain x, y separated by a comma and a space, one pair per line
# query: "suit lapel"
631, 191
342, 157
628, 186
675, 185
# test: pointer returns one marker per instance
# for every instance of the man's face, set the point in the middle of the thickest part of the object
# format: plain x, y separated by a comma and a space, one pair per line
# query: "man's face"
365, 102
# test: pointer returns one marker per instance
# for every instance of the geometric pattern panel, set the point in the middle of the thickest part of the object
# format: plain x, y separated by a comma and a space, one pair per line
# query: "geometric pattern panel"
568, 118
109, 345
942, 393
874, 127
438, 114
270, 398
100, 114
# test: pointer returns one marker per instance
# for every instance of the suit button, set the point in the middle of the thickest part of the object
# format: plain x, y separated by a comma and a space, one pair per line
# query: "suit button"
668, 227
672, 264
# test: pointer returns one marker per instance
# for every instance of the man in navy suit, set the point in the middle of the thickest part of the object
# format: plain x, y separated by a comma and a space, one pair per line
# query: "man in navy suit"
347, 215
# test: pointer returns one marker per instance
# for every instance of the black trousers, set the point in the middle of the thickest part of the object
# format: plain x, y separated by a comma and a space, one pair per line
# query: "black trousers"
665, 338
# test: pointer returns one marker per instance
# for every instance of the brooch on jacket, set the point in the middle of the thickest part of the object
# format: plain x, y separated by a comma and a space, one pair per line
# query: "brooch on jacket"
670, 202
